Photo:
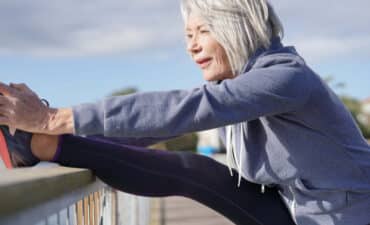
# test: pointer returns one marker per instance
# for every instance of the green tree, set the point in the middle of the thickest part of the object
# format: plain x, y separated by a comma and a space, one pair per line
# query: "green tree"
187, 142
354, 106
124, 91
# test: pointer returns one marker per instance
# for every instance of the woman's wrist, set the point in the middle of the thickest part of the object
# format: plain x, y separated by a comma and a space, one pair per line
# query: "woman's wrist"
59, 121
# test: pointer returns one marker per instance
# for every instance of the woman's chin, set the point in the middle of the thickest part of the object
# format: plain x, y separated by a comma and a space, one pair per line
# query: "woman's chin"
211, 77
216, 77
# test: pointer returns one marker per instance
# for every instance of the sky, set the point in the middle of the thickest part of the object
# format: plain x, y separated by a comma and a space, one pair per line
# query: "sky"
76, 51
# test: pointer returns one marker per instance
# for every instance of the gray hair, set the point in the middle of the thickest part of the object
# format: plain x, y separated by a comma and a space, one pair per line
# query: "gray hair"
240, 26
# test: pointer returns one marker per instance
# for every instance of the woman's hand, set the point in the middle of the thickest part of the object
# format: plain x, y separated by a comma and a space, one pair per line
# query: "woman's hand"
21, 108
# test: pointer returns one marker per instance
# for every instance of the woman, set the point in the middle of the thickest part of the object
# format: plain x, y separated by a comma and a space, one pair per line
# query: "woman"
299, 158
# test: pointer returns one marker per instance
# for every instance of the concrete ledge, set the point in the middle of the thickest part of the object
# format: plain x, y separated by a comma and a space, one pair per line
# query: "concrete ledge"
21, 189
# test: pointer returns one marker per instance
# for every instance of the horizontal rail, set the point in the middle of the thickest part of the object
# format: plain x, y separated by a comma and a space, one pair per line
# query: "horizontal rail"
28, 195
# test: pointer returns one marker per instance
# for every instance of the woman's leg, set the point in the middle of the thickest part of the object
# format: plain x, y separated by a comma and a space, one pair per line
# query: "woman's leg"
156, 173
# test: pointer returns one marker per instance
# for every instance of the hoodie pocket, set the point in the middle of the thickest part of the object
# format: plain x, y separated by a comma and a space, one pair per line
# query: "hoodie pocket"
317, 200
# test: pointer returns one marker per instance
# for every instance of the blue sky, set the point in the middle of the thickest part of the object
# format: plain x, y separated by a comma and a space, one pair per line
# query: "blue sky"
72, 52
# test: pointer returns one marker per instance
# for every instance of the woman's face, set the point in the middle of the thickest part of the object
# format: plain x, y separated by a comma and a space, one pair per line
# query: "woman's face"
206, 51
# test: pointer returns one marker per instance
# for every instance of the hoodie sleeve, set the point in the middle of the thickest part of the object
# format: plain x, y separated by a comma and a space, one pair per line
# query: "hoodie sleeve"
271, 88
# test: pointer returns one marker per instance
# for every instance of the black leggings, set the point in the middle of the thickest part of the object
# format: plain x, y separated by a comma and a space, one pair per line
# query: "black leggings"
156, 173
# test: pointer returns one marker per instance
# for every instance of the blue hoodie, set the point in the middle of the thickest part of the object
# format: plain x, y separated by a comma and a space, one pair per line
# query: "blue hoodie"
290, 131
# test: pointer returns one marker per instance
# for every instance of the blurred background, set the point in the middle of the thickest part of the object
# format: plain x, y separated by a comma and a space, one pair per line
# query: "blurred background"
76, 51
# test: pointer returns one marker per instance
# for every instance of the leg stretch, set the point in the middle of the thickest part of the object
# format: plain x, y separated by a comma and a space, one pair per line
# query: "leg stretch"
157, 173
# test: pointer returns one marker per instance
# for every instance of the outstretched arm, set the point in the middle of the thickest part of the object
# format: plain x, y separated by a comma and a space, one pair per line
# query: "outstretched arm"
270, 88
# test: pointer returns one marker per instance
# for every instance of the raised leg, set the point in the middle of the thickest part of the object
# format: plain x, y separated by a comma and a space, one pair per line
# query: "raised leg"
157, 173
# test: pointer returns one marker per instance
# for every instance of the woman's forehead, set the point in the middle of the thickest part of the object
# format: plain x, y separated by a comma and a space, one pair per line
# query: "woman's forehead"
194, 21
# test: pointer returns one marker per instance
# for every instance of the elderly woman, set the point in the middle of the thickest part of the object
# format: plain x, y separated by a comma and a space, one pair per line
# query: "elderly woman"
297, 154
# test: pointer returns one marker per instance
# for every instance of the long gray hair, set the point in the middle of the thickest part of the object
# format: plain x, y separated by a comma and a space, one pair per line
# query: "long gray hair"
240, 26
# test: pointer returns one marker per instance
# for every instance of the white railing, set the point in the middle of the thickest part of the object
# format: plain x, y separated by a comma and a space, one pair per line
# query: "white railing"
133, 210
66, 196
55, 196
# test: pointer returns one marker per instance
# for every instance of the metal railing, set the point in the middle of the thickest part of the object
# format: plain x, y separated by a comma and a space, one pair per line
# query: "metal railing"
134, 210
55, 196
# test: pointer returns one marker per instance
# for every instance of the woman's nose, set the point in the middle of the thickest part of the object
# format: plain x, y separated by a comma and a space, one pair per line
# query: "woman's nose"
193, 46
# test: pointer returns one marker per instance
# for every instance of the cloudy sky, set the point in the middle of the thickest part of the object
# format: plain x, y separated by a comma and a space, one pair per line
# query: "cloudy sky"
74, 51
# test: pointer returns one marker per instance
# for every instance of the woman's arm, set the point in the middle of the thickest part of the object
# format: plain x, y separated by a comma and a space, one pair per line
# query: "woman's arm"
271, 88
275, 86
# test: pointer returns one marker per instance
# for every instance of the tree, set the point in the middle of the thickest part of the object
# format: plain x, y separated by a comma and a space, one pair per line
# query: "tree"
124, 91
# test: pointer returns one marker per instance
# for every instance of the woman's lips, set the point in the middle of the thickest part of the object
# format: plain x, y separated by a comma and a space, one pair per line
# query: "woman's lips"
203, 63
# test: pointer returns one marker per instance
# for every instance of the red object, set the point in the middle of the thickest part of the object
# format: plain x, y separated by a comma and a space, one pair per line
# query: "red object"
4, 152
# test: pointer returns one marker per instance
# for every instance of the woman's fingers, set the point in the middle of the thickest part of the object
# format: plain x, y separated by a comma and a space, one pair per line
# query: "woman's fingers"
4, 120
5, 89
22, 108
5, 117
4, 101
20, 87
5, 106
6, 110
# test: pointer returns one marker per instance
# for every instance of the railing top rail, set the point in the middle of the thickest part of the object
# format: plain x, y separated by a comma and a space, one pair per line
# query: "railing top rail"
24, 188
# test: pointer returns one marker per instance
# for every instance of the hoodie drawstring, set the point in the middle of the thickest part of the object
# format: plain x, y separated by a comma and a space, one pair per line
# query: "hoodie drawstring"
231, 149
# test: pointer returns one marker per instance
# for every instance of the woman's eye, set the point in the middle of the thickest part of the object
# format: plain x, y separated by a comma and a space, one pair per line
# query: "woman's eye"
189, 36
204, 31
